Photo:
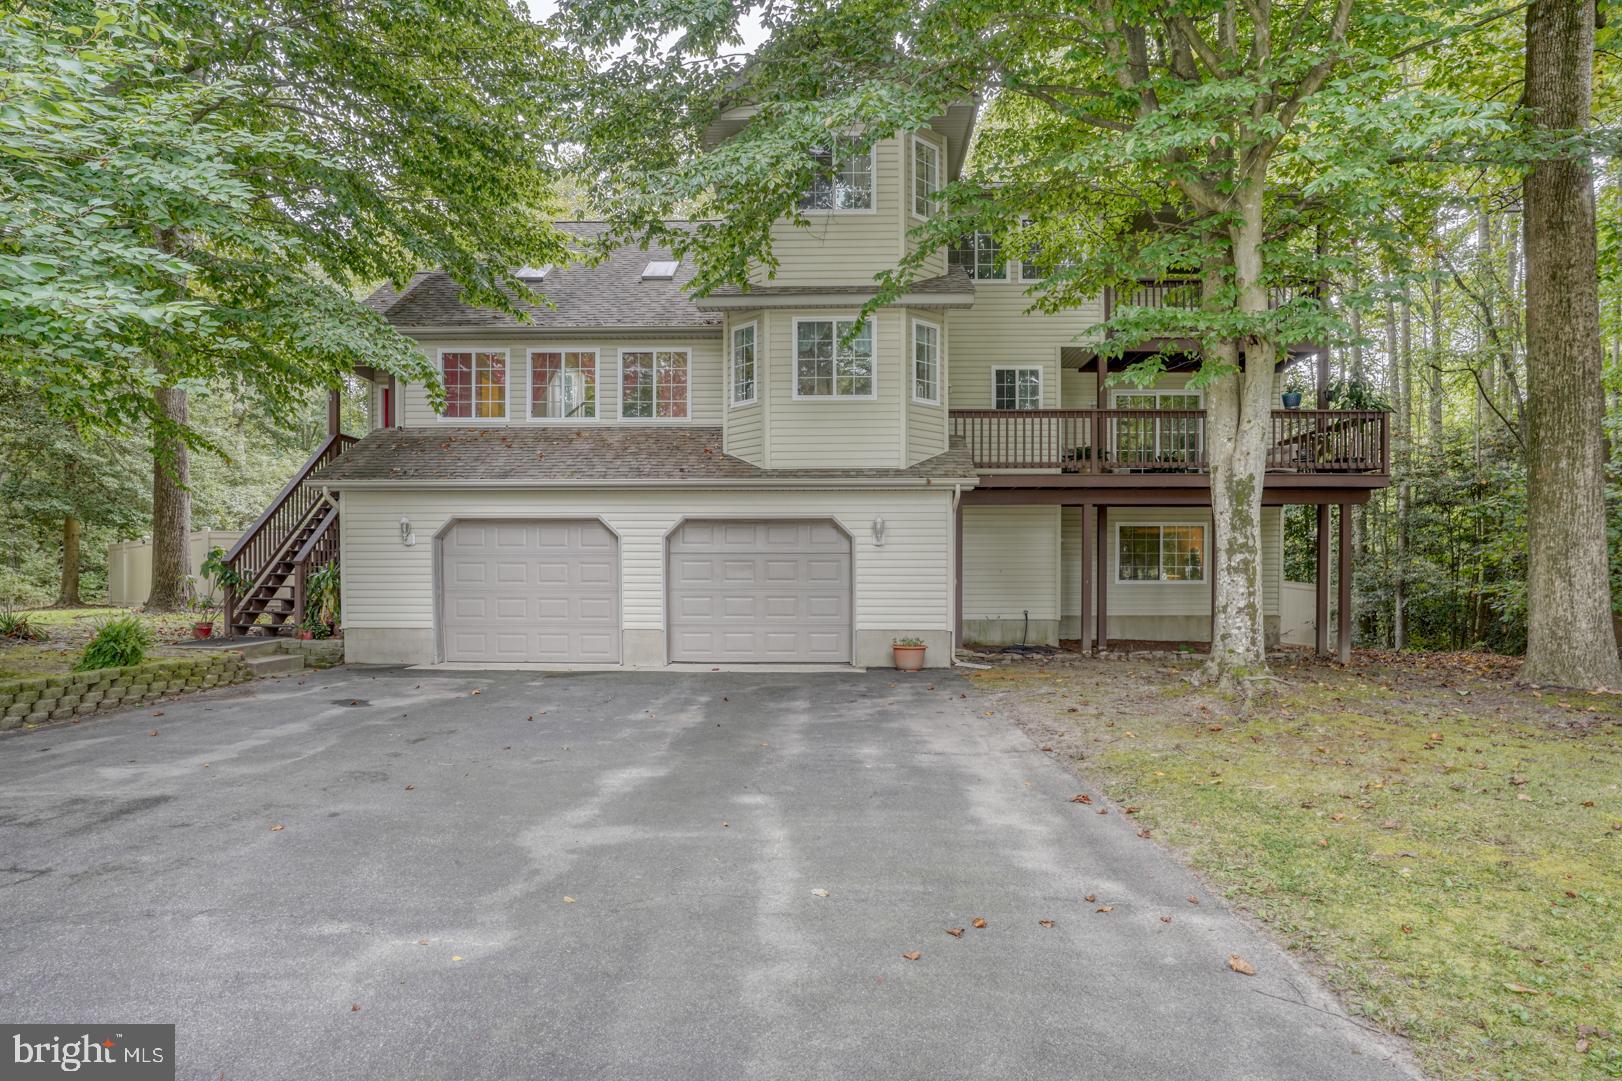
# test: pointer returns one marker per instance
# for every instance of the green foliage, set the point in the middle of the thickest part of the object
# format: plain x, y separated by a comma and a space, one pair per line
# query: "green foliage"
195, 191
18, 627
214, 567
324, 594
118, 642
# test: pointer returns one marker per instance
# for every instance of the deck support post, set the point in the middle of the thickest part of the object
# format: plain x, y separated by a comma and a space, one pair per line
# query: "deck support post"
1102, 533
1320, 622
1323, 379
957, 574
1343, 623
1087, 529
334, 412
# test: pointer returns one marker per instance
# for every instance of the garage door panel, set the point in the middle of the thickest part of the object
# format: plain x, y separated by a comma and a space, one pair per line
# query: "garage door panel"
530, 591
760, 591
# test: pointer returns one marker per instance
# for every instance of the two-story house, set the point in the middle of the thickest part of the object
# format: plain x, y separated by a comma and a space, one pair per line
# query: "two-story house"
635, 477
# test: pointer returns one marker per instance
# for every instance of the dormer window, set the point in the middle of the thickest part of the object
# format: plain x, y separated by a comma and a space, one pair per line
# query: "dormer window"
843, 180
660, 270
980, 256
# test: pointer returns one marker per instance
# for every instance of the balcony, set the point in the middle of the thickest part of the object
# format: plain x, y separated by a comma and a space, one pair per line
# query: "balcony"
1164, 446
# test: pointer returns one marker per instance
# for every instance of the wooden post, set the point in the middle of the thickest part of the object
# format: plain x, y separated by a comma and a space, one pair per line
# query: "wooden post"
1323, 379
1321, 608
1343, 622
1087, 529
957, 572
1103, 579
334, 412
298, 596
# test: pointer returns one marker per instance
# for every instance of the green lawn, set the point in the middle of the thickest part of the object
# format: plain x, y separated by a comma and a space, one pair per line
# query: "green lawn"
69, 629
1446, 847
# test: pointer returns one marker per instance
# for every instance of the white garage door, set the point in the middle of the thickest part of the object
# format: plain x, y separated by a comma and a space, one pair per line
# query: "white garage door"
760, 591
530, 591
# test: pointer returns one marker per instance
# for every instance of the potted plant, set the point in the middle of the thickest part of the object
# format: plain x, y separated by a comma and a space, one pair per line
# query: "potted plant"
324, 598
204, 613
1292, 395
313, 628
908, 654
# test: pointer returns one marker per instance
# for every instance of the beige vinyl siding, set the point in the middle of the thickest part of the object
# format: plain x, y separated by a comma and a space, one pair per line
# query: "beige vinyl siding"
1162, 598
845, 247
705, 386
839, 433
905, 583
1010, 562
998, 332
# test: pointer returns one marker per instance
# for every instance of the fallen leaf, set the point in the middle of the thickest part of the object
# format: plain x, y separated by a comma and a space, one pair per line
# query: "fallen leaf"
1193, 900
456, 957
476, 692
725, 826
153, 732
276, 829
1045, 747
1105, 908
422, 942
1323, 843
568, 900
1582, 1047
1165, 919
157, 713
1090, 898
1045, 923
1130, 810
819, 893
354, 1007
913, 955
1240, 965
410, 787
1389, 824
1520, 988
955, 932
1083, 798
979, 922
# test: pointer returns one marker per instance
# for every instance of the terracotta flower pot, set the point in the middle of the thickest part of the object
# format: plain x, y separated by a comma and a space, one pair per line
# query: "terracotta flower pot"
908, 658
306, 636
202, 630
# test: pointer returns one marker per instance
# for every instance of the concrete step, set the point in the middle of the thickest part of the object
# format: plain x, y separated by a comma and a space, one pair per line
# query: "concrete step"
266, 646
275, 664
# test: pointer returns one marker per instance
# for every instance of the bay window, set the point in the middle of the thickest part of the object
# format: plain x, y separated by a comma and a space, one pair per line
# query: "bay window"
833, 358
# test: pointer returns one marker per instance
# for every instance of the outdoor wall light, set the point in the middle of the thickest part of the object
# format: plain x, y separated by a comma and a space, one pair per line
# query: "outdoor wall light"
878, 532
407, 537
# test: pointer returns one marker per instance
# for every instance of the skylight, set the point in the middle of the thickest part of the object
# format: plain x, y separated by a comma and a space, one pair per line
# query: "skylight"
660, 270
533, 272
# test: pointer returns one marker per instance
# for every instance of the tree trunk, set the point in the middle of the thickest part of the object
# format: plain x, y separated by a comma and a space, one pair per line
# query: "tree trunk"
171, 508
1238, 422
1569, 636
68, 595
1433, 377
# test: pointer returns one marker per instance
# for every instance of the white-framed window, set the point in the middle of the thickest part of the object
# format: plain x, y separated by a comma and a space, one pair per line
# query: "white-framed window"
743, 363
654, 383
1016, 388
926, 362
843, 179
830, 361
980, 256
1159, 552
1156, 439
475, 382
926, 176
563, 384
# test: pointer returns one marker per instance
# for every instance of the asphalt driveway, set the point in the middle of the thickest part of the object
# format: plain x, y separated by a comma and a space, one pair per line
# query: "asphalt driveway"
616, 877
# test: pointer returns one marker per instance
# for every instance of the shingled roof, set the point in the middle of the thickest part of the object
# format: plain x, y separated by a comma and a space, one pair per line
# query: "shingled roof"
609, 294
608, 455
955, 283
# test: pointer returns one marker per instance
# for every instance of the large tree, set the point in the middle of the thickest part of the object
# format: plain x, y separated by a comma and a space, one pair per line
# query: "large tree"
1569, 637
197, 189
1124, 139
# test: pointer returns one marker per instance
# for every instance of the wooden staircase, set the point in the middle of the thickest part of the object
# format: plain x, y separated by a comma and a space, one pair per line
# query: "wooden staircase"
298, 531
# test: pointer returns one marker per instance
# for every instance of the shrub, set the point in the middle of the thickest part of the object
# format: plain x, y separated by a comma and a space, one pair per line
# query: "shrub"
17, 625
119, 641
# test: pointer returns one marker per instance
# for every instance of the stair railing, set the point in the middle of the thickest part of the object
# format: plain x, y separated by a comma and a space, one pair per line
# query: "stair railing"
319, 550
266, 541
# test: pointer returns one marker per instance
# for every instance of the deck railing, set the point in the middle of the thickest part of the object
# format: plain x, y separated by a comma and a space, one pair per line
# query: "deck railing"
1166, 440
1185, 293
